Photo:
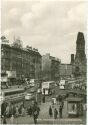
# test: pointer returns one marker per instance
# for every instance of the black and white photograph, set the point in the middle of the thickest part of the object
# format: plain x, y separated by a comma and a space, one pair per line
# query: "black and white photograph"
43, 62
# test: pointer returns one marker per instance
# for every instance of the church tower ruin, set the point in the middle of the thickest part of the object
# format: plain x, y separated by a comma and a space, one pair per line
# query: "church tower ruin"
80, 57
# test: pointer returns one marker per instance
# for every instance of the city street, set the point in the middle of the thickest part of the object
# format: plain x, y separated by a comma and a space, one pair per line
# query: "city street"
43, 63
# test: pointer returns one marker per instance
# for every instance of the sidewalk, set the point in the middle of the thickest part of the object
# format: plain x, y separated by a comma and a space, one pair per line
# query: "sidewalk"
29, 120
45, 119
60, 121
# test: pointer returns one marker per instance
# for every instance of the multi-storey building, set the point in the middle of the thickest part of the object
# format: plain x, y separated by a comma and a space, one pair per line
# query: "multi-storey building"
50, 67
24, 62
65, 70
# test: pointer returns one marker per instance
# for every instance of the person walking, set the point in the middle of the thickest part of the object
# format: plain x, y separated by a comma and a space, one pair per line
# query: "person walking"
60, 111
4, 120
17, 112
35, 111
35, 116
55, 113
3, 108
7, 111
38, 109
50, 111
20, 109
23, 111
30, 111
12, 120
12, 110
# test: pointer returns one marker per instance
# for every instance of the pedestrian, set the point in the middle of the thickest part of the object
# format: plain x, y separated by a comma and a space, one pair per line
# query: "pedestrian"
55, 113
12, 110
23, 111
60, 111
62, 103
3, 108
50, 111
4, 120
30, 111
20, 109
17, 112
38, 109
35, 116
12, 119
7, 111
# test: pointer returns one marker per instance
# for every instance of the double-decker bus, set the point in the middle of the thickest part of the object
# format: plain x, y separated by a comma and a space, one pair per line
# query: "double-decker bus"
13, 95
47, 87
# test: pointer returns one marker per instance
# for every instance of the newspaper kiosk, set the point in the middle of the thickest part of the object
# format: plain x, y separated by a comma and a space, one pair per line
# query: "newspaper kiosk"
74, 107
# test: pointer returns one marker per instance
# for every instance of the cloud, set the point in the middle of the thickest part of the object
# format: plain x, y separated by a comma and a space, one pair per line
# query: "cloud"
49, 26
78, 12
14, 13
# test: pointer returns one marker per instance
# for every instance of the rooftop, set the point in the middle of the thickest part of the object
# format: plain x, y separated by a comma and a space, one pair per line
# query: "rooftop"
33, 51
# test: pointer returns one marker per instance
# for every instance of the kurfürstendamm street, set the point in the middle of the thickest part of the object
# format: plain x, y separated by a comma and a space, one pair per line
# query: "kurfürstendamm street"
43, 62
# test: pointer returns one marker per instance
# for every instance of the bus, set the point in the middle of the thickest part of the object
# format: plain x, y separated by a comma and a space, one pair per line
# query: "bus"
47, 87
63, 84
15, 96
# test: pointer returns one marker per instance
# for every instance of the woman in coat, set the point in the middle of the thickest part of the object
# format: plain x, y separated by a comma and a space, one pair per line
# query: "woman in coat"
50, 111
55, 113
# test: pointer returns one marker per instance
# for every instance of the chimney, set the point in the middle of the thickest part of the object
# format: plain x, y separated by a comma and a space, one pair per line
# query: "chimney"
72, 58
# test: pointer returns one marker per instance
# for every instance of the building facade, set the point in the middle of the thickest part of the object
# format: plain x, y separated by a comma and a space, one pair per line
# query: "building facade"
25, 62
80, 61
65, 70
50, 67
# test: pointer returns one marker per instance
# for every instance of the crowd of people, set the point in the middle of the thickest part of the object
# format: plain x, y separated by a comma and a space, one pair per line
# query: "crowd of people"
8, 110
11, 111
55, 113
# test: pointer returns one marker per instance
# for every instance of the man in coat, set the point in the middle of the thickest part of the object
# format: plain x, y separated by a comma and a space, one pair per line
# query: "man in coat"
50, 111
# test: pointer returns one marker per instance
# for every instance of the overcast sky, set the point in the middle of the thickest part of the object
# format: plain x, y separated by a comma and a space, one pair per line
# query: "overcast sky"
49, 25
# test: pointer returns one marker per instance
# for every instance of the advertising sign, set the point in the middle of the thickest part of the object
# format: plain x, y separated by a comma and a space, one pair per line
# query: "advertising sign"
11, 74
45, 85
